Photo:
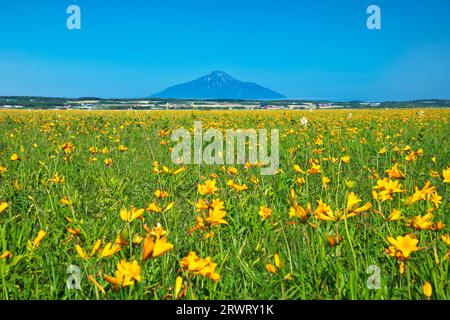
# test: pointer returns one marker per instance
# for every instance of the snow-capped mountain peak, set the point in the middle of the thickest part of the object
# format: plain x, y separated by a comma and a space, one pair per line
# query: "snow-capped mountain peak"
218, 85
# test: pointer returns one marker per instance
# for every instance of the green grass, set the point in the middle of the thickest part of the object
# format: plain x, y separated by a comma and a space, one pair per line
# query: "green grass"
242, 248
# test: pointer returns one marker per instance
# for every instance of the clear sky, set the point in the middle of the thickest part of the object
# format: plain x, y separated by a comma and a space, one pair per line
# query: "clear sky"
302, 49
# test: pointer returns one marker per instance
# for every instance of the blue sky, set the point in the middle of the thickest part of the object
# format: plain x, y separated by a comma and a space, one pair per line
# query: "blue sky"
302, 49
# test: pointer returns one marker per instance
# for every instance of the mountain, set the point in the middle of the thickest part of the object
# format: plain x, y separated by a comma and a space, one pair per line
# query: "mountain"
218, 85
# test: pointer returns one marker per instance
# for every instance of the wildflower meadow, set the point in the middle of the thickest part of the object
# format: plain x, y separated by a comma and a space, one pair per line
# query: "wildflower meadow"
93, 207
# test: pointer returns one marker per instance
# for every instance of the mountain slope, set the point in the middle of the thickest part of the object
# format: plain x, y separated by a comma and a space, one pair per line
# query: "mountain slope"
218, 85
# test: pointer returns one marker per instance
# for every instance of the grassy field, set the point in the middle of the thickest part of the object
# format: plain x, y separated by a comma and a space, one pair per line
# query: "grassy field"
350, 205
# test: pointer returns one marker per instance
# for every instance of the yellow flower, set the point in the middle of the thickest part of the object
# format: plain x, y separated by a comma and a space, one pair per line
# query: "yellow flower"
205, 267
446, 239
248, 165
131, 215
349, 183
137, 239
122, 148
439, 225
402, 247
395, 215
37, 241
96, 246
297, 169
169, 206
121, 238
160, 194
178, 284
153, 207
56, 179
100, 287
382, 151
179, 170
68, 147
147, 250
386, 189
208, 188
422, 223
3, 206
2, 170
17, 186
395, 172
125, 274
418, 195
6, 255
15, 157
297, 211
446, 175
288, 277
81, 252
161, 246
325, 182
216, 213
314, 169
157, 231
264, 212
65, 201
155, 248
271, 268
292, 199
345, 159
232, 170
434, 174
278, 264
277, 260
236, 187
163, 133
215, 217
201, 205
72, 231
334, 240
93, 150
109, 250
119, 280
353, 205
108, 162
427, 289
412, 155
324, 212
436, 199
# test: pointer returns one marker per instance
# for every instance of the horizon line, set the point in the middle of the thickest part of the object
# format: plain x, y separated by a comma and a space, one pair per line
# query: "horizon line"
225, 99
